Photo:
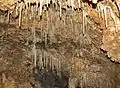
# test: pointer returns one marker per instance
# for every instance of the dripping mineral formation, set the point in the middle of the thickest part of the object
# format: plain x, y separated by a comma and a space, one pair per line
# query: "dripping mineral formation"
59, 34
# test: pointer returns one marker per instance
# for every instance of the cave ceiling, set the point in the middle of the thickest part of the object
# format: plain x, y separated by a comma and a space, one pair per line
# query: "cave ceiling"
104, 13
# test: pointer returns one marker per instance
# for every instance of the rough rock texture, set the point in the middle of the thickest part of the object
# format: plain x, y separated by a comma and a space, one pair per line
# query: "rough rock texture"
60, 50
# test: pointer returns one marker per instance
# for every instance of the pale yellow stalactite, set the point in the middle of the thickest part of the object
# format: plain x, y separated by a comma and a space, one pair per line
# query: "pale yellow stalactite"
113, 16
79, 2
83, 22
26, 4
100, 8
103, 10
16, 9
37, 4
41, 4
60, 9
41, 58
47, 3
20, 13
44, 59
47, 29
41, 33
32, 11
72, 4
50, 62
69, 2
72, 29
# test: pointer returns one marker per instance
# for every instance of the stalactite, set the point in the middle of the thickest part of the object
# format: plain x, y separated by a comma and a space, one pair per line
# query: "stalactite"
83, 23
69, 1
47, 3
41, 31
43, 35
20, 13
37, 5
52, 33
79, 2
53, 1
42, 57
34, 46
60, 9
26, 10
47, 29
72, 29
16, 9
103, 10
76, 33
64, 24
100, 8
45, 59
26, 4
41, 4
59, 67
50, 62
32, 11
72, 4
114, 19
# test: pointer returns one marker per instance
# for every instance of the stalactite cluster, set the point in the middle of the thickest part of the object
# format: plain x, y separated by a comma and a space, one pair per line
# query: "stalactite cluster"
73, 28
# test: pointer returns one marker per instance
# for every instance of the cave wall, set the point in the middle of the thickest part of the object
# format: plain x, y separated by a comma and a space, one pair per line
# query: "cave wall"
56, 50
